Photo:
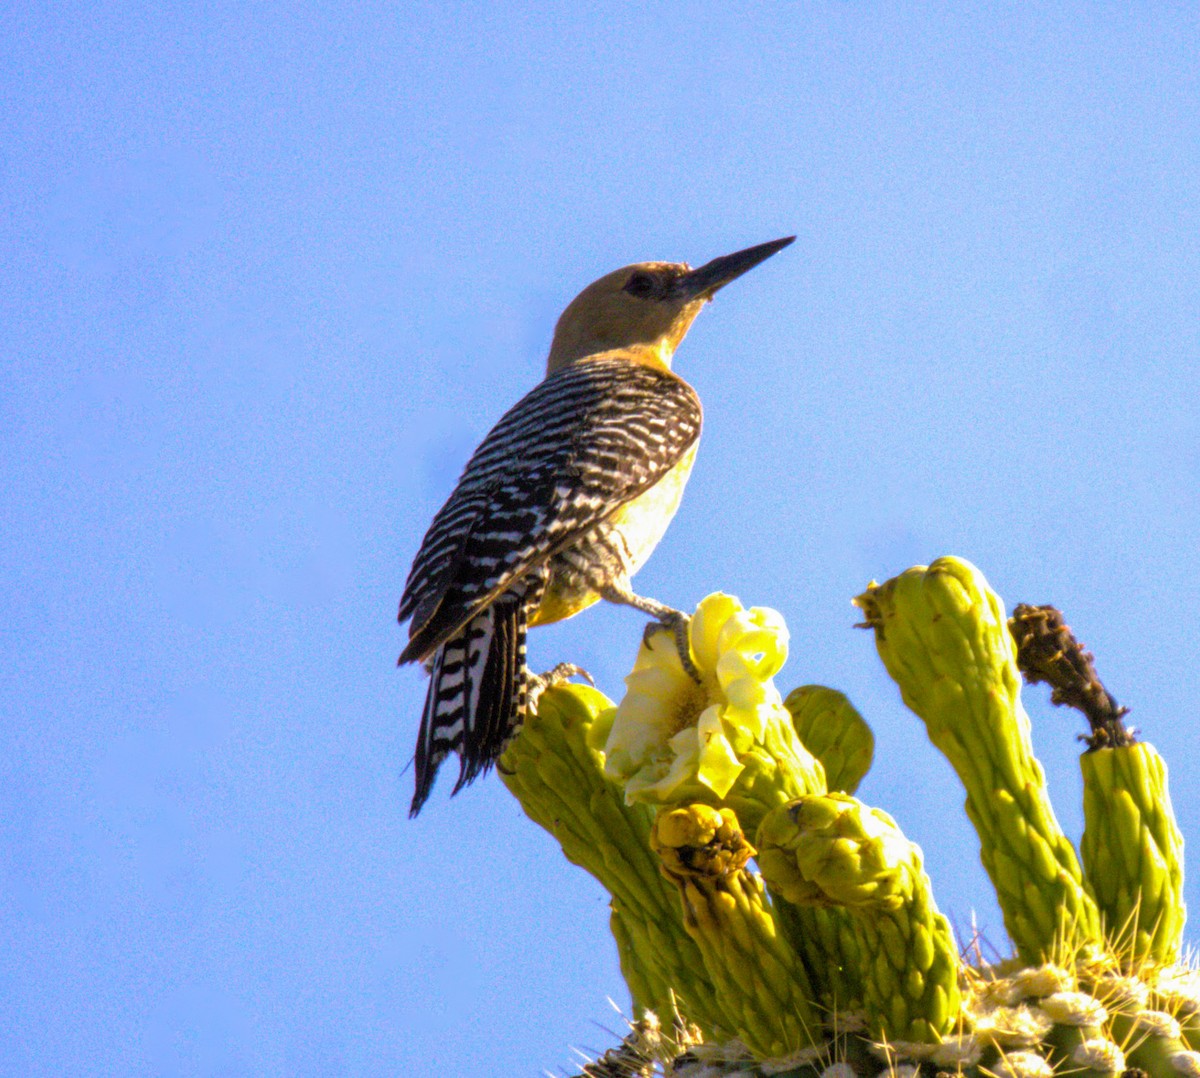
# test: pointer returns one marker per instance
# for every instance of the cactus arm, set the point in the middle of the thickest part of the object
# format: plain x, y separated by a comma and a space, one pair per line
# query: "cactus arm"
834, 850
834, 732
1132, 850
942, 635
761, 984
558, 777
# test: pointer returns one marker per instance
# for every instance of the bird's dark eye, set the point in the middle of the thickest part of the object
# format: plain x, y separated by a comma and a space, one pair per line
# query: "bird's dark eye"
640, 285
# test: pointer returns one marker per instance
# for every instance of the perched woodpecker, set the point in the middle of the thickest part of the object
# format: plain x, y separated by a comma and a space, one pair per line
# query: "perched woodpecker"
560, 505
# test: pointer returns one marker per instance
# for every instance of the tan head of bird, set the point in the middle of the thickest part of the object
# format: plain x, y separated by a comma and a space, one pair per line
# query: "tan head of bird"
644, 310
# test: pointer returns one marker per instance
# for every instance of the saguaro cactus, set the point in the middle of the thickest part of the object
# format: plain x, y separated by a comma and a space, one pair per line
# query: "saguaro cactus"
770, 923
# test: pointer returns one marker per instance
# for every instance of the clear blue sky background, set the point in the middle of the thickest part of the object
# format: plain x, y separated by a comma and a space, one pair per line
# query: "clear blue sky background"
267, 276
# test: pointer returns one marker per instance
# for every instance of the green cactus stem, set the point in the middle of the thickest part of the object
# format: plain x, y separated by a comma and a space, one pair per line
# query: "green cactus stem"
761, 984
834, 732
827, 939
942, 634
1132, 848
553, 768
834, 850
830, 946
777, 769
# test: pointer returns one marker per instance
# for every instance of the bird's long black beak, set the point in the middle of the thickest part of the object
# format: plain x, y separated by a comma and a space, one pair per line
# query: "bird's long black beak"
703, 282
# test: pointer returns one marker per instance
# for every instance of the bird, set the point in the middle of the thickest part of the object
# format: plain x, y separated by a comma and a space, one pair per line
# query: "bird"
559, 506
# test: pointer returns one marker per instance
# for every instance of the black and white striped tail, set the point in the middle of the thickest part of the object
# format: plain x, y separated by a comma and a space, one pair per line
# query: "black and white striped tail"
478, 684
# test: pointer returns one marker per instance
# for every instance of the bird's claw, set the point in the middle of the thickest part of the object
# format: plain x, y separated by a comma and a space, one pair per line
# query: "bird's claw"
539, 683
678, 625
563, 672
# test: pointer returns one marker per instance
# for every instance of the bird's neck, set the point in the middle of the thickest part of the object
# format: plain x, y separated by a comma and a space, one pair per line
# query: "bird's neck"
658, 354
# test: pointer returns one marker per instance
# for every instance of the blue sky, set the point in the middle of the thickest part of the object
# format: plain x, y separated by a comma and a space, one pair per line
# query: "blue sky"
266, 278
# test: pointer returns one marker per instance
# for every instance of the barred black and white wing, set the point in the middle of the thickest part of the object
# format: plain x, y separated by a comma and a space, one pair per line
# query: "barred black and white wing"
591, 437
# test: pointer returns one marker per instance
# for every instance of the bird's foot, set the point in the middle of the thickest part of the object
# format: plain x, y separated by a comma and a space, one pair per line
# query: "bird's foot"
678, 624
539, 683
